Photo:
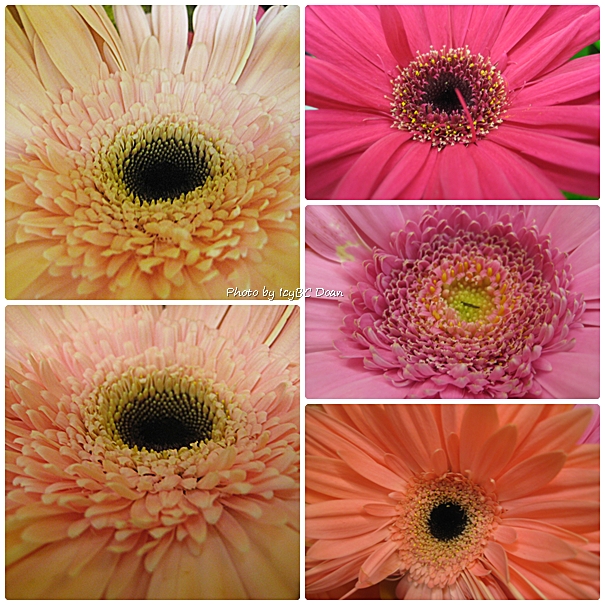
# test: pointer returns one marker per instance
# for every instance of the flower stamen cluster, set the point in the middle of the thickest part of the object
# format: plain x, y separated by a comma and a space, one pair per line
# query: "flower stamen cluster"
443, 525
448, 96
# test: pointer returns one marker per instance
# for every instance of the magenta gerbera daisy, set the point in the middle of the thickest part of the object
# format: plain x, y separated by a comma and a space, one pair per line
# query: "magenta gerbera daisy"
152, 453
453, 301
451, 102
451, 502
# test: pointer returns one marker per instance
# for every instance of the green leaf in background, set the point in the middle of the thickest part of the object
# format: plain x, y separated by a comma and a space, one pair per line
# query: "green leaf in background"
575, 196
593, 49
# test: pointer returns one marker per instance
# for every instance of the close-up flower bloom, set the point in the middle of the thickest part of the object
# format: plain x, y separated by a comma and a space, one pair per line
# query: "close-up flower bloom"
451, 502
152, 453
149, 162
452, 302
451, 102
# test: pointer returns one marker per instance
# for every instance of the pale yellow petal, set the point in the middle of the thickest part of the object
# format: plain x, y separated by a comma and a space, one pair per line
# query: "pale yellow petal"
110, 41
24, 265
51, 77
23, 86
76, 56
276, 48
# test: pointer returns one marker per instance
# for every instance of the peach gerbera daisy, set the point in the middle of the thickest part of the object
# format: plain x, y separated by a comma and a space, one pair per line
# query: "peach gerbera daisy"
152, 453
452, 502
144, 166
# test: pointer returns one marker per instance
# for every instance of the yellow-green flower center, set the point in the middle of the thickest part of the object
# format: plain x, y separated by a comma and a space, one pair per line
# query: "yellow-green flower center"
470, 300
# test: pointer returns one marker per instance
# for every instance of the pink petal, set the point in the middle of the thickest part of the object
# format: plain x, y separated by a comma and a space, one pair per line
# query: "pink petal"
323, 320
558, 151
416, 28
459, 174
569, 179
519, 20
344, 36
321, 179
574, 80
543, 55
583, 360
438, 20
329, 376
370, 222
529, 181
327, 86
394, 33
569, 226
371, 168
496, 183
345, 142
412, 167
570, 121
318, 122
327, 229
484, 27
574, 26
586, 269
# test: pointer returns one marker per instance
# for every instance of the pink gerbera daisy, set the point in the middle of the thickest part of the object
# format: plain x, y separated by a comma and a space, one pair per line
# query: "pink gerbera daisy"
152, 453
495, 301
141, 166
452, 502
451, 102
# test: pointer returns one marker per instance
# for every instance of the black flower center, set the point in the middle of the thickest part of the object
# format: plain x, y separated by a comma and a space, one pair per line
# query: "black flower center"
447, 521
164, 169
440, 92
165, 421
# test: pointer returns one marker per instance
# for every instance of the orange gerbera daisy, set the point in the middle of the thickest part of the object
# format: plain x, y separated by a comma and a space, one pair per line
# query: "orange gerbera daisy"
144, 166
452, 502
152, 453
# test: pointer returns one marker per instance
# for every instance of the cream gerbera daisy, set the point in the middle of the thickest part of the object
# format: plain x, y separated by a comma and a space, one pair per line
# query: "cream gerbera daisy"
143, 165
152, 453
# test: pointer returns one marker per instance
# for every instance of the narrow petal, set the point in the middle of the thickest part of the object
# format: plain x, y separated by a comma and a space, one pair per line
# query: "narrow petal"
170, 28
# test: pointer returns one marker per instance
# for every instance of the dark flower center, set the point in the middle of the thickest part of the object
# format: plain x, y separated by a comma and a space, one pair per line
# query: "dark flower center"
448, 97
165, 421
162, 162
447, 521
158, 410
164, 169
440, 92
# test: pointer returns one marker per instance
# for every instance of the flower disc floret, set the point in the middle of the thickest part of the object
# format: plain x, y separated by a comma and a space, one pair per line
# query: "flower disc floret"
443, 525
449, 96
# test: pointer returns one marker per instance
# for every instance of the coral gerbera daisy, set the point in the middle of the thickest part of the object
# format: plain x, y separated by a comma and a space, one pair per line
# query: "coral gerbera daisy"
452, 501
143, 167
152, 453
453, 302
451, 102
